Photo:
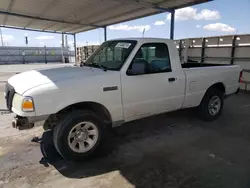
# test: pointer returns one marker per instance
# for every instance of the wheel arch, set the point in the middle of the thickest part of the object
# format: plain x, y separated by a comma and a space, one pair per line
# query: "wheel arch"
96, 107
219, 86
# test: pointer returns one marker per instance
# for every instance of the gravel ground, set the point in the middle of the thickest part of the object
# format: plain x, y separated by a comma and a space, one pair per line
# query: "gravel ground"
170, 150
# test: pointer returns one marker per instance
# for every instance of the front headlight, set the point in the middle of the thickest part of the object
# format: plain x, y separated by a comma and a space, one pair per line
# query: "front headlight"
27, 104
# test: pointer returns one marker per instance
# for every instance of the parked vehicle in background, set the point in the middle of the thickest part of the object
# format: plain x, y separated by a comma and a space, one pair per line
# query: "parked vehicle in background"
124, 80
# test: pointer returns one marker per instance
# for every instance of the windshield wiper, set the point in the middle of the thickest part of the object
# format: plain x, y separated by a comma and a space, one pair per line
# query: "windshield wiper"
97, 66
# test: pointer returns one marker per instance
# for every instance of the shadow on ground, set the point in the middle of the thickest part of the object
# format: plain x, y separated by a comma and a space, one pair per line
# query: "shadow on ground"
138, 167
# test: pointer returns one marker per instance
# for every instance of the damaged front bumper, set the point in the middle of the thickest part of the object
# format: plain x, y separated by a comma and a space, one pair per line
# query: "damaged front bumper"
22, 123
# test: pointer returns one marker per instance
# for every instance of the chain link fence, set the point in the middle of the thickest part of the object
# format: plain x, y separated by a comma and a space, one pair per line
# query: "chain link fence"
22, 55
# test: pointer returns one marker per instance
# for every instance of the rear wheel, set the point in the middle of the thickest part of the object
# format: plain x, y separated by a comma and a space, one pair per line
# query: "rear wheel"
79, 135
211, 105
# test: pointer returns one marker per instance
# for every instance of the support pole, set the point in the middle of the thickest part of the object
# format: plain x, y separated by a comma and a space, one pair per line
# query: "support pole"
180, 48
233, 50
203, 46
172, 25
1, 35
75, 49
185, 47
45, 55
105, 33
62, 49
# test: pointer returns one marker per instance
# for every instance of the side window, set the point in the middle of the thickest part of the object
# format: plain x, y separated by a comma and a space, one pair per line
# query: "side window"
150, 58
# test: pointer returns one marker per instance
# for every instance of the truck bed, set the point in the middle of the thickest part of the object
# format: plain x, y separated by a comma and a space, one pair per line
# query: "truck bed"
194, 65
201, 76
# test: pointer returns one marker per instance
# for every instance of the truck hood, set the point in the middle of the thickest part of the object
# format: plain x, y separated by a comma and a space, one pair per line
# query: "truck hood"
30, 79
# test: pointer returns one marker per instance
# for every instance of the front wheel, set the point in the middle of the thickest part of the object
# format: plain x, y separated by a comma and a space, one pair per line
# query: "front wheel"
79, 135
211, 105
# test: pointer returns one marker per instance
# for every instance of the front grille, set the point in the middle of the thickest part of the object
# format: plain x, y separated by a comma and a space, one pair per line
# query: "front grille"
10, 92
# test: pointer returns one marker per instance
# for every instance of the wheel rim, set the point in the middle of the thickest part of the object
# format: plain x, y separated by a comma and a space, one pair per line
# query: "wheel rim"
214, 105
83, 137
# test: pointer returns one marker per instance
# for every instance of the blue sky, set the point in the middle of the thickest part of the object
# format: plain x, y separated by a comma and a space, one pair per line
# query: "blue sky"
219, 17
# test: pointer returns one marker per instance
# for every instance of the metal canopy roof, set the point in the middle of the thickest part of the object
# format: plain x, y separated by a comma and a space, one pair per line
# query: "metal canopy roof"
74, 16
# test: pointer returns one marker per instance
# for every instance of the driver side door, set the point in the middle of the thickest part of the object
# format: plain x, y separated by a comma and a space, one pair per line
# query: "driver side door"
150, 86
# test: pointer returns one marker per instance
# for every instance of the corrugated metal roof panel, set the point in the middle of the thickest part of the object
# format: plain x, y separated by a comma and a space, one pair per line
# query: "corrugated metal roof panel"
80, 15
4, 4
17, 21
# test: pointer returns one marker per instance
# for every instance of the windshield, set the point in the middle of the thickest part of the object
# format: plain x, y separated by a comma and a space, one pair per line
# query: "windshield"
111, 55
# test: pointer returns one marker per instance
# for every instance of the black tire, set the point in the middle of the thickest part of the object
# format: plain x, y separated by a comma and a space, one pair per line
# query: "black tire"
62, 130
204, 106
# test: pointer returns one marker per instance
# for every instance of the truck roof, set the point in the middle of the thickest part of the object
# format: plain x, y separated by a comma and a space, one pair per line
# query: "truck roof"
143, 39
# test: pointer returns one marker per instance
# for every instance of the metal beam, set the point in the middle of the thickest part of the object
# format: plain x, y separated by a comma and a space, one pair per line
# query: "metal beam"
36, 30
105, 33
172, 25
45, 19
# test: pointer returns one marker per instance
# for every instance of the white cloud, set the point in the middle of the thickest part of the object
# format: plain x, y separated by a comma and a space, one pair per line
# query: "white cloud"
220, 27
208, 15
159, 23
190, 13
198, 26
184, 14
8, 38
44, 37
125, 27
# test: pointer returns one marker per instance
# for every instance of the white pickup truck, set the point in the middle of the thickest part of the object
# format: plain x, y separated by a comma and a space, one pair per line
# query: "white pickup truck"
124, 80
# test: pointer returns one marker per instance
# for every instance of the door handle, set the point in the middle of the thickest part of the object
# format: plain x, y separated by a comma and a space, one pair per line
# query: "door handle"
171, 79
